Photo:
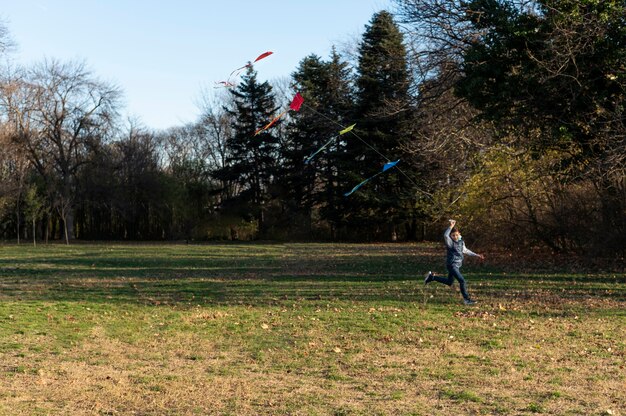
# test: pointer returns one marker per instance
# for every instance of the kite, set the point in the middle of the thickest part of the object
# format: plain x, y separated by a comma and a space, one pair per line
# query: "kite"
225, 84
263, 55
236, 72
347, 129
249, 64
387, 166
295, 105
297, 102
344, 131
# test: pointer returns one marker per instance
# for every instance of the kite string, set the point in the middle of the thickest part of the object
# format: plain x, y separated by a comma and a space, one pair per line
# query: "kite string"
364, 142
309, 158
352, 131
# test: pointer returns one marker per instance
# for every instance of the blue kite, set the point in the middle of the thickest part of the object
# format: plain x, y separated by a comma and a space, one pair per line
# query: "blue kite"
387, 166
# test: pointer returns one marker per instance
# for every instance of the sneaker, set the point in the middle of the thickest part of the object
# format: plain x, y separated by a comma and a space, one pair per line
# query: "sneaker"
469, 302
428, 277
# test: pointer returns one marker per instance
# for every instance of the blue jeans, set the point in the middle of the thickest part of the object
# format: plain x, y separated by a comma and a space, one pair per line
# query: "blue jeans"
454, 273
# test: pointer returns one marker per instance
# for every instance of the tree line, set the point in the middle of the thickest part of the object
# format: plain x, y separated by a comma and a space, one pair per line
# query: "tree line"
508, 115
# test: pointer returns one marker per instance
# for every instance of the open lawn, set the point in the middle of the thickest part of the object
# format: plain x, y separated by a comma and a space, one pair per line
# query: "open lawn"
302, 329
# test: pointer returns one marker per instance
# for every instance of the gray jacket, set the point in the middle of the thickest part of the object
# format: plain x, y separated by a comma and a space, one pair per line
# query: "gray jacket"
455, 250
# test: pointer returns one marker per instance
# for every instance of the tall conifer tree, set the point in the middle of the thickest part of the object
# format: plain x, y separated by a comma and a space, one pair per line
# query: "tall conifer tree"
314, 187
383, 109
251, 165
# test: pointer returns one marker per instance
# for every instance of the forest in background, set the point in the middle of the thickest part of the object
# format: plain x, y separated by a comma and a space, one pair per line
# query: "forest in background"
507, 115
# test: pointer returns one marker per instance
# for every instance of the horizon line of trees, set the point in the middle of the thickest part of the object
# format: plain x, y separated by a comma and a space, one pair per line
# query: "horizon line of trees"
508, 115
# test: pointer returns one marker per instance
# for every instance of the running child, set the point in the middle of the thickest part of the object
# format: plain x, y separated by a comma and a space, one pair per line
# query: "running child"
455, 247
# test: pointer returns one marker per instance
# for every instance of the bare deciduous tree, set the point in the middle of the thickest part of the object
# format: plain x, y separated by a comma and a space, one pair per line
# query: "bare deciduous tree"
59, 110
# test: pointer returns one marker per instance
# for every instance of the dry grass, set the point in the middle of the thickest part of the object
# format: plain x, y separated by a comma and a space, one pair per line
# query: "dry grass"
303, 330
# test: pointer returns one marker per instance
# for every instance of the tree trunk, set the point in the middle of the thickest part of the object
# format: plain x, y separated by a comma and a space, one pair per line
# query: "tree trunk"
46, 225
393, 233
65, 227
69, 224
18, 220
53, 227
34, 234
65, 231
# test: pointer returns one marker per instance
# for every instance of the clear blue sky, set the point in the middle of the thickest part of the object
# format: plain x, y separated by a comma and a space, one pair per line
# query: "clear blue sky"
162, 54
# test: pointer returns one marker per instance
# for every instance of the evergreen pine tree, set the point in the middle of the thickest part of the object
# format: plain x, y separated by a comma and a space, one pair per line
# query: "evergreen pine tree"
306, 131
338, 105
313, 188
251, 165
383, 109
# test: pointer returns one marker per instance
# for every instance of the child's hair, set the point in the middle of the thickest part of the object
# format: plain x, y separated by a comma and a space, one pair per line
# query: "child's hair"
454, 230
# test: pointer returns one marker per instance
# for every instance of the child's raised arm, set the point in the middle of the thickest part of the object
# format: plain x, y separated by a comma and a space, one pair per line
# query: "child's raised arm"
446, 234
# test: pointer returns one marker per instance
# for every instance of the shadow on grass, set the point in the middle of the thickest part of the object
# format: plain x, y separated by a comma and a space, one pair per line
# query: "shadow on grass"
259, 274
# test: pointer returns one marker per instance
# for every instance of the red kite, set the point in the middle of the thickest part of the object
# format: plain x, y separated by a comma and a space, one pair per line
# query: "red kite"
228, 84
295, 105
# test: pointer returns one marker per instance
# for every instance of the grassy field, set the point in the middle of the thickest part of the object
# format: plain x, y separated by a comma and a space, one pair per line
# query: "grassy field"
303, 329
